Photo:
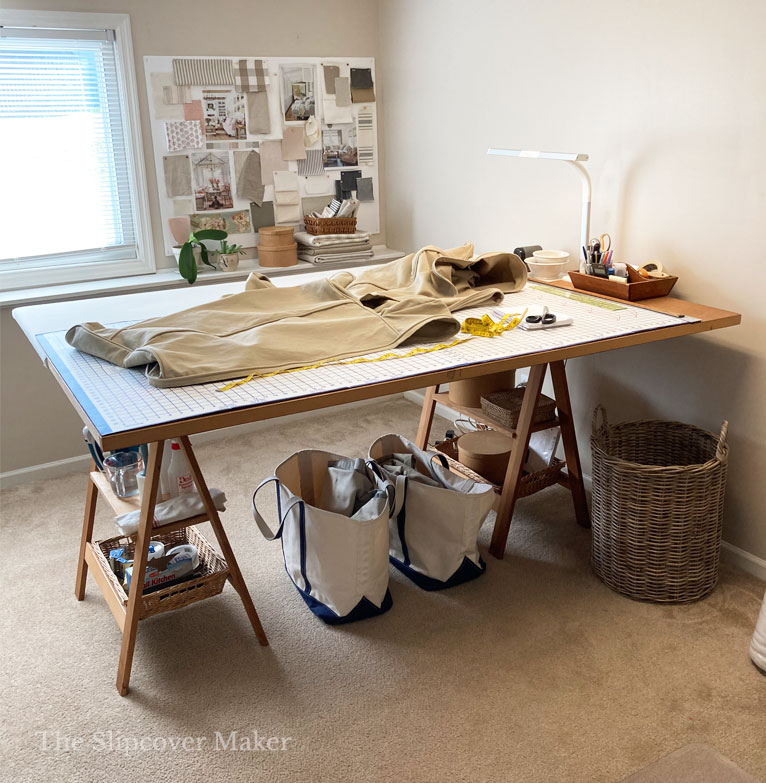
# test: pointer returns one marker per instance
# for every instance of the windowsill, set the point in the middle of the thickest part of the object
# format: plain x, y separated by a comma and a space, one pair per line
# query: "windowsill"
169, 278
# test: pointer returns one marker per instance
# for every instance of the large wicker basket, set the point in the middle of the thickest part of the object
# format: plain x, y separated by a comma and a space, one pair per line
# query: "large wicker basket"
658, 489
334, 225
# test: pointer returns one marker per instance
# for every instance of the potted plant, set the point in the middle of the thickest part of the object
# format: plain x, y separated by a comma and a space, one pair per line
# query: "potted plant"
193, 250
228, 256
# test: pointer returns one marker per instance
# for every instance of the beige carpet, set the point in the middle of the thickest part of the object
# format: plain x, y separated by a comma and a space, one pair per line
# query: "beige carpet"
693, 763
534, 672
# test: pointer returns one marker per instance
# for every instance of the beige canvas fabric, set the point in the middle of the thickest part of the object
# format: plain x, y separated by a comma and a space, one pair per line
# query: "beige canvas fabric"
267, 328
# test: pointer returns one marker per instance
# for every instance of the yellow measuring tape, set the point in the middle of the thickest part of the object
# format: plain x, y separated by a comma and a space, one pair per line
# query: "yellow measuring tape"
476, 327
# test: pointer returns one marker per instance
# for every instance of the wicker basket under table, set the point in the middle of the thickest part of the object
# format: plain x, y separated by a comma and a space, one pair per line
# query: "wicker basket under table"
528, 484
212, 568
658, 489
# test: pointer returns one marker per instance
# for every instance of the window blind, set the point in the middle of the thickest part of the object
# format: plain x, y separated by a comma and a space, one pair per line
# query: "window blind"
66, 195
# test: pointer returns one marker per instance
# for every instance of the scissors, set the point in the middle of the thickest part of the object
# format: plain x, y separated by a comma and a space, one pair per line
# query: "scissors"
606, 243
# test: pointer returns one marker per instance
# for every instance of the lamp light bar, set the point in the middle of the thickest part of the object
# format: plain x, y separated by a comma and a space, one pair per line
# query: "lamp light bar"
537, 154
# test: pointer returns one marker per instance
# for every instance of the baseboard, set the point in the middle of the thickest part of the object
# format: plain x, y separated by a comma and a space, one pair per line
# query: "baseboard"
730, 554
743, 560
48, 470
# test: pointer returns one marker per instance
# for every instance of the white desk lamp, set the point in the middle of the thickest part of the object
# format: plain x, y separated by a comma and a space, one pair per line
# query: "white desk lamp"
571, 157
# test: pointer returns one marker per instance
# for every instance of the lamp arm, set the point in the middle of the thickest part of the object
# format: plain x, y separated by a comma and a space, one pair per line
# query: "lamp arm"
586, 198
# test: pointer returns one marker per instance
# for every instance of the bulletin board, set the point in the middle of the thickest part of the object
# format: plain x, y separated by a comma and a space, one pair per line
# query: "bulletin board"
310, 122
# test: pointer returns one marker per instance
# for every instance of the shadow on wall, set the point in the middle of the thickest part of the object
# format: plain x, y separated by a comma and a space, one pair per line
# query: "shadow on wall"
693, 380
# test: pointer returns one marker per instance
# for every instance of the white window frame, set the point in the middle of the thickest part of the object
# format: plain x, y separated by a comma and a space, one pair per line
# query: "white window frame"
90, 265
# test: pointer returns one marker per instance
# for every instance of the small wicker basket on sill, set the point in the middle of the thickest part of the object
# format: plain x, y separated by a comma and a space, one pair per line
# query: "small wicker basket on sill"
658, 489
334, 225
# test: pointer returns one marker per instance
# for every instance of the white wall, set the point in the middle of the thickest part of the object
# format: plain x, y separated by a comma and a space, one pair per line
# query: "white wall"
669, 99
37, 423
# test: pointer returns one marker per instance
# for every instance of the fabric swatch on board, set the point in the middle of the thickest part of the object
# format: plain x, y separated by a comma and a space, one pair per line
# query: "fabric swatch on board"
205, 72
339, 190
365, 138
361, 78
362, 90
319, 185
342, 91
258, 119
287, 213
331, 73
333, 114
286, 188
271, 160
293, 147
183, 135
312, 165
172, 94
250, 76
182, 206
364, 190
193, 111
348, 179
162, 110
247, 176
312, 132
177, 170
263, 215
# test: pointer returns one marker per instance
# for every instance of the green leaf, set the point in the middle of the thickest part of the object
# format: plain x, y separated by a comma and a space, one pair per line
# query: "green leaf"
187, 266
210, 233
203, 255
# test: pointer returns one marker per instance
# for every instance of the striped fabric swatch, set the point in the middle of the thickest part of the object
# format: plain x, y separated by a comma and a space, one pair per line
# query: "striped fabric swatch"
172, 95
365, 138
206, 72
250, 76
312, 166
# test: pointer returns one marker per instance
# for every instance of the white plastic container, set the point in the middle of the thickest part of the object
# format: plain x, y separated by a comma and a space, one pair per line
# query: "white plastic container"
758, 645
548, 264
180, 479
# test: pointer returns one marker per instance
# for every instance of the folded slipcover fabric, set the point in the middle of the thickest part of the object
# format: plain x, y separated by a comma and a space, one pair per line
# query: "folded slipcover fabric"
336, 258
325, 240
355, 247
265, 328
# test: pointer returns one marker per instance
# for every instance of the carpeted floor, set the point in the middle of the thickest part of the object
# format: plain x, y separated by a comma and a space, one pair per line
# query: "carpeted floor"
535, 672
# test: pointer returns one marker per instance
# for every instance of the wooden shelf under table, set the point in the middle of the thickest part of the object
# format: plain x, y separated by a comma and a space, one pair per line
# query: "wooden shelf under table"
125, 505
478, 415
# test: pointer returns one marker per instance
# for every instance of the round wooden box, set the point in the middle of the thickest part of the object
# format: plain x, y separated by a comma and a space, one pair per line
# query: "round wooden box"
287, 255
470, 391
486, 452
275, 236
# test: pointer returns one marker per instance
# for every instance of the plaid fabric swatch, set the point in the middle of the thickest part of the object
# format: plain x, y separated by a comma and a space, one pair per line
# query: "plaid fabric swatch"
183, 135
312, 166
207, 72
172, 95
250, 76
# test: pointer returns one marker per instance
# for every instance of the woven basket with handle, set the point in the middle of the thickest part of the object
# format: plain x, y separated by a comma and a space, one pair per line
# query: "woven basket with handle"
334, 225
658, 489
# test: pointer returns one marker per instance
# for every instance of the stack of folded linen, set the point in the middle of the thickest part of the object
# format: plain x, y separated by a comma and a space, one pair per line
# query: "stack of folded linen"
333, 248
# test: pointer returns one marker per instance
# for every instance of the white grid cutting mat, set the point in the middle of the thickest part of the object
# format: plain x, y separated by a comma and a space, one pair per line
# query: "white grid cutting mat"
118, 399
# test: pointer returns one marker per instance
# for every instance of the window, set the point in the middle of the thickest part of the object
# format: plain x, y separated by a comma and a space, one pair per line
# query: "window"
73, 200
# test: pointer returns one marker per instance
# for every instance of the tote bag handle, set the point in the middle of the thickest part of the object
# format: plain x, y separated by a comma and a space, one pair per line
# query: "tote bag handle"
267, 532
395, 489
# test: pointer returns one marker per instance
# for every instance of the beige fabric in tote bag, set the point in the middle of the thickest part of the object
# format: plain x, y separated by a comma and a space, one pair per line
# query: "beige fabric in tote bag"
266, 328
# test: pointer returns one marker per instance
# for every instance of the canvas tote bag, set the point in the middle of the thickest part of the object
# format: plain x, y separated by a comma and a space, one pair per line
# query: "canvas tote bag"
333, 521
437, 515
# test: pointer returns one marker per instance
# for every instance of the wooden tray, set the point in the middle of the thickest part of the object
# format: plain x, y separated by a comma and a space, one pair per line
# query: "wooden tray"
631, 292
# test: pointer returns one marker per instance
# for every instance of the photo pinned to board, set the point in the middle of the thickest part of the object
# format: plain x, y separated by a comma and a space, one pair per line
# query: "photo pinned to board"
232, 222
212, 181
297, 85
339, 147
224, 115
